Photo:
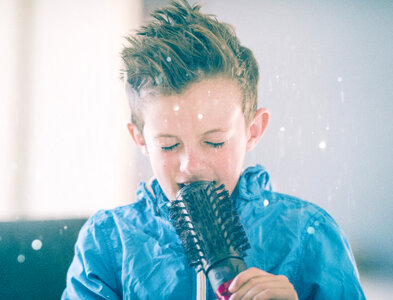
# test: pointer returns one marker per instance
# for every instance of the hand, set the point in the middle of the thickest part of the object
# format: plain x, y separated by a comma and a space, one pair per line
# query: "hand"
256, 284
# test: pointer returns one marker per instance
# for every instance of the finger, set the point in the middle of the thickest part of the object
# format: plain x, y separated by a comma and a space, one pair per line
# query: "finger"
258, 293
244, 276
267, 280
257, 284
245, 293
247, 288
271, 293
274, 281
276, 294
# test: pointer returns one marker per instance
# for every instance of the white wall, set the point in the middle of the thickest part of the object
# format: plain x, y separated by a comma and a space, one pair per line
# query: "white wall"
65, 150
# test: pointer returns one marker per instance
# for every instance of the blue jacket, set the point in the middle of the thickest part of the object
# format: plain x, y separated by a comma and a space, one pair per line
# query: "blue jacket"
132, 252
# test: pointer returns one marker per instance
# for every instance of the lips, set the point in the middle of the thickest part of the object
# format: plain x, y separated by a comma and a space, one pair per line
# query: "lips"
181, 185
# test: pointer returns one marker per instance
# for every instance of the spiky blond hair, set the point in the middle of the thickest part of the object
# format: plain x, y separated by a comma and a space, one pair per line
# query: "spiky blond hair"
181, 46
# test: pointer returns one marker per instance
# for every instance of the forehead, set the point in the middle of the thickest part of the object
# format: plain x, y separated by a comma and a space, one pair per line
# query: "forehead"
212, 98
209, 105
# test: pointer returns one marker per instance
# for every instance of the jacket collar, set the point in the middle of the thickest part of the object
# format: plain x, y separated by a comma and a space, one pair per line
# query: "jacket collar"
252, 183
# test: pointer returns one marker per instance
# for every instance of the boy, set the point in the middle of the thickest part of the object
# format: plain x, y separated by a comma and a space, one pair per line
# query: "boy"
193, 97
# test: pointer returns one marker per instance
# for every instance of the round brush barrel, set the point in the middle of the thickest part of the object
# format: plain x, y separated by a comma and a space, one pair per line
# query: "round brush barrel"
210, 231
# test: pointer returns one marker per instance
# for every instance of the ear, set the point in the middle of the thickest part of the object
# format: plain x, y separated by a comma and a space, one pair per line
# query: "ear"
138, 138
257, 127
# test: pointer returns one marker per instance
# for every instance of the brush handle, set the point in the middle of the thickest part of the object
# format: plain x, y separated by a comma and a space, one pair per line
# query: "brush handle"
222, 292
223, 272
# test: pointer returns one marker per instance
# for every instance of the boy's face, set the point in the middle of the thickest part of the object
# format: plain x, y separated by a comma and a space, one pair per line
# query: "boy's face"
200, 134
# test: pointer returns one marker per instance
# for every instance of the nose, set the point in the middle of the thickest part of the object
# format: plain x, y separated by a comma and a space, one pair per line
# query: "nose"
191, 163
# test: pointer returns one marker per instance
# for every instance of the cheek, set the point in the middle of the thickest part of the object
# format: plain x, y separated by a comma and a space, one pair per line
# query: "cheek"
235, 151
231, 161
226, 161
163, 163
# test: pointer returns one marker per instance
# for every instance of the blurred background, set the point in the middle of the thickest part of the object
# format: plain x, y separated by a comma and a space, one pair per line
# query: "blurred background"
326, 76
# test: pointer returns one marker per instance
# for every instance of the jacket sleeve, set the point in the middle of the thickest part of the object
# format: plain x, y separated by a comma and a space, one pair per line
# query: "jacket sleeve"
327, 268
91, 274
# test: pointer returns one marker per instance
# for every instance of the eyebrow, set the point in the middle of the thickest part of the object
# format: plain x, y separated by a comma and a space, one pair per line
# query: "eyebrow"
215, 131
165, 135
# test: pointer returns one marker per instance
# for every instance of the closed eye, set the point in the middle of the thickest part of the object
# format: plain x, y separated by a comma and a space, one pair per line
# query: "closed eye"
169, 148
215, 145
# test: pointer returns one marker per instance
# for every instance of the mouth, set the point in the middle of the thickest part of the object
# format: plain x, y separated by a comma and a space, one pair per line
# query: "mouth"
183, 184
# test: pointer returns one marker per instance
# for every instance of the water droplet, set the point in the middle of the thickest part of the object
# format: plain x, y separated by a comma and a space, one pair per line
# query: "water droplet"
168, 59
339, 79
159, 79
322, 145
36, 245
265, 202
200, 116
21, 258
277, 77
342, 97
208, 92
310, 230
270, 88
176, 108
316, 223
260, 233
65, 227
327, 128
282, 128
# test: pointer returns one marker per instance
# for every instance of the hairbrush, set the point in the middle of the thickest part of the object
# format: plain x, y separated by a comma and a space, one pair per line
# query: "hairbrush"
211, 233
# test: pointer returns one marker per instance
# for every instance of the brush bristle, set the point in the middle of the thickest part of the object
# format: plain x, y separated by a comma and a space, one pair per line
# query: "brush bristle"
207, 224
